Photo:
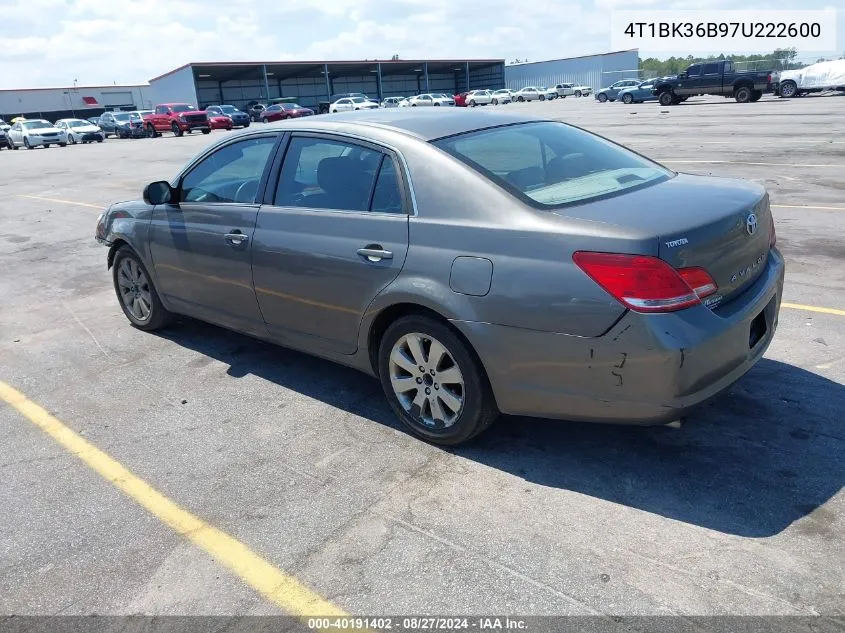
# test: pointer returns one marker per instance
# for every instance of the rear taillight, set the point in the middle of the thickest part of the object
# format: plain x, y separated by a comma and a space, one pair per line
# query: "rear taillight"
773, 238
646, 284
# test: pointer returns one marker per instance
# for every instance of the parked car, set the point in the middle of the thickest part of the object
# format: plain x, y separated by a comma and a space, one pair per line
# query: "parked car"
143, 113
348, 104
479, 97
611, 324
529, 93
254, 111
239, 119
217, 121
714, 78
323, 107
390, 102
572, 90
5, 142
80, 131
177, 118
612, 91
121, 125
281, 111
4, 127
32, 133
460, 99
638, 94
432, 99
548, 93
818, 77
501, 96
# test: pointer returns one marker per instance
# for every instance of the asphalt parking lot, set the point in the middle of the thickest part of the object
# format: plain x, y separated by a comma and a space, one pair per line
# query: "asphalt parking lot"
741, 511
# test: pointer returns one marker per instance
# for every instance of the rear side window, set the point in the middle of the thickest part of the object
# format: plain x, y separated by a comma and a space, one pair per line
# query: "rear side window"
320, 173
550, 164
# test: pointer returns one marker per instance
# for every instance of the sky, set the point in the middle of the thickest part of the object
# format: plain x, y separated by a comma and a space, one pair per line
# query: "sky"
54, 42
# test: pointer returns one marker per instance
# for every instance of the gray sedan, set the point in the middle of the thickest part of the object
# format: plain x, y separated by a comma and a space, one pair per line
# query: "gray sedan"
475, 262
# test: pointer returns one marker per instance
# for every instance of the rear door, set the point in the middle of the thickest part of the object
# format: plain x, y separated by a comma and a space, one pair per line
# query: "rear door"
711, 78
330, 236
200, 246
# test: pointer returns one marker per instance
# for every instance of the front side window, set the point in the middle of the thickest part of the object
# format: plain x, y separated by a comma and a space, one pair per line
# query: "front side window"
230, 174
321, 173
161, 109
694, 71
551, 164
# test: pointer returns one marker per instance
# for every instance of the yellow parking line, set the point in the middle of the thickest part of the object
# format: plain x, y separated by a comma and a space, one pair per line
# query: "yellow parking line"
60, 201
283, 590
739, 162
801, 306
806, 206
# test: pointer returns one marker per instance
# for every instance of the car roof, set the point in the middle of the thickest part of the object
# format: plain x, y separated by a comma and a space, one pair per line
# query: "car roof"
423, 123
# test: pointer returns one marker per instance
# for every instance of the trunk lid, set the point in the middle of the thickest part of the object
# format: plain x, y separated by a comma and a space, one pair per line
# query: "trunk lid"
718, 224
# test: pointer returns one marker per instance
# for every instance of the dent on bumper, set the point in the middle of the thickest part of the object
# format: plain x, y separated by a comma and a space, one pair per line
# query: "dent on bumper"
648, 369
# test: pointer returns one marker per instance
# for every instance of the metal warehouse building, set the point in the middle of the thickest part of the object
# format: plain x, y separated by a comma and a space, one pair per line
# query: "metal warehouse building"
239, 83
76, 101
597, 71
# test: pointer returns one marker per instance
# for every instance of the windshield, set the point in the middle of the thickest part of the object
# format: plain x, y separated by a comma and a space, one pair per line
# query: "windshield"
228, 109
37, 123
182, 107
134, 116
552, 164
78, 123
291, 106
357, 100
121, 116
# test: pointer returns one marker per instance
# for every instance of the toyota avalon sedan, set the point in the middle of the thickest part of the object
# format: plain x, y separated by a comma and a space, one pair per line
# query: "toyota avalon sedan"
474, 262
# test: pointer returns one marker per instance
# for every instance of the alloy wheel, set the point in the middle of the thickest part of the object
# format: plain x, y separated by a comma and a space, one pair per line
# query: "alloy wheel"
426, 380
134, 290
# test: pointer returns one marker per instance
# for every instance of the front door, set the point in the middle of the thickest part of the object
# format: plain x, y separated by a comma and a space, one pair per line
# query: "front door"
334, 237
200, 246
689, 83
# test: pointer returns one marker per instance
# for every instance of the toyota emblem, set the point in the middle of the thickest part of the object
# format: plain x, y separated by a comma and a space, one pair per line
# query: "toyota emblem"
751, 224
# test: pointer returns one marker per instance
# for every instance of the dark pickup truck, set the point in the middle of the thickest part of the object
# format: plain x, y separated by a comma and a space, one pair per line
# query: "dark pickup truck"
713, 78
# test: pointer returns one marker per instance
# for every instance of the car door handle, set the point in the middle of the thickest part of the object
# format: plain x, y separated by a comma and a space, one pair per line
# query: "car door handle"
236, 239
375, 253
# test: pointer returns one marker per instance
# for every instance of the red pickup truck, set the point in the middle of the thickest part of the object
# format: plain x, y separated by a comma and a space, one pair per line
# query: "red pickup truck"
177, 118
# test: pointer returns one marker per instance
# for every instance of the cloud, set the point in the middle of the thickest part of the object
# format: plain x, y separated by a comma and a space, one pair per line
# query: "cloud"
51, 42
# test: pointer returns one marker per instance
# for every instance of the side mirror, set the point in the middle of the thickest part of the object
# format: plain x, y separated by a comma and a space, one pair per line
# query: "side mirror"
159, 192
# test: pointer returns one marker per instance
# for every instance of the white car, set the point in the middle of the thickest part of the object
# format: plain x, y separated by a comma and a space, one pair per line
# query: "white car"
817, 77
4, 127
549, 93
572, 90
529, 93
79, 131
479, 97
501, 96
391, 102
34, 132
348, 104
431, 99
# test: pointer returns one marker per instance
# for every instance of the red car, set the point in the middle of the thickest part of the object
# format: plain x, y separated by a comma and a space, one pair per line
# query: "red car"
281, 111
461, 99
219, 121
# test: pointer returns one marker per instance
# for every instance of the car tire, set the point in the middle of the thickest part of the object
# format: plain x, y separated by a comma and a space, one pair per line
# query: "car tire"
788, 89
520, 98
542, 97
602, 98
756, 95
742, 94
26, 143
71, 139
627, 99
206, 130
577, 93
132, 282
151, 131
246, 125
666, 98
495, 102
177, 131
62, 144
100, 140
468, 387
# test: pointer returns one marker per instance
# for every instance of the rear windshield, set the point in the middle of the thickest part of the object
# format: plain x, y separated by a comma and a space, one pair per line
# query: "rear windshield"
550, 164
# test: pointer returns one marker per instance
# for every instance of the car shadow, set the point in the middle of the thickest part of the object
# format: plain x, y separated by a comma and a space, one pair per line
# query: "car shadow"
767, 453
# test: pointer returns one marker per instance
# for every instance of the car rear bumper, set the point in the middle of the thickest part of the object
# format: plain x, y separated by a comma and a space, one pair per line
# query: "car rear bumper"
648, 369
